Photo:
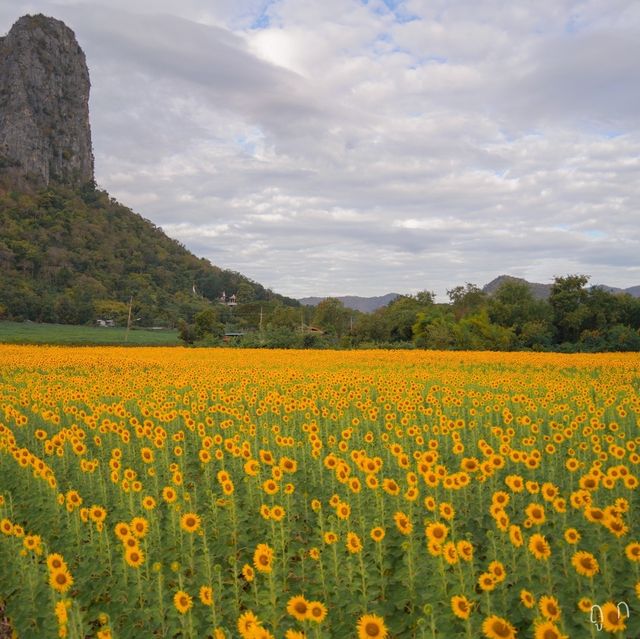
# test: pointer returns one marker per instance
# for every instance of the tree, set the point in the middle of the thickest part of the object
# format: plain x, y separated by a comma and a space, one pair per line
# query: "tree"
466, 300
332, 316
207, 324
514, 306
568, 299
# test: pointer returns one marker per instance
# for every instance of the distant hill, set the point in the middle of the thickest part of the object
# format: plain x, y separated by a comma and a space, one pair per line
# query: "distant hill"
542, 291
362, 304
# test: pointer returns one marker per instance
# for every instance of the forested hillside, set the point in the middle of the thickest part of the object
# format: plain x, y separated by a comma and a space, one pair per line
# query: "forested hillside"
74, 255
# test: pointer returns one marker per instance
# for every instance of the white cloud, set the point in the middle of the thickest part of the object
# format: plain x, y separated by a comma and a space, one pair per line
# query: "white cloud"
342, 147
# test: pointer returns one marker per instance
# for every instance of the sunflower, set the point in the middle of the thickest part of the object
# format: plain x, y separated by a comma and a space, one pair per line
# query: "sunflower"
190, 522
434, 548
585, 563
148, 503
182, 601
403, 523
372, 627
496, 568
446, 511
169, 494
317, 611
539, 547
97, 514
495, 627
270, 487
437, 532
465, 550
616, 526
247, 623
343, 511
206, 595
612, 620
139, 527
548, 630
60, 580
6, 527
377, 534
515, 536
330, 537
585, 604
298, 607
527, 599
632, 551
571, 536
450, 553
248, 573
487, 582
122, 530
277, 513
134, 557
549, 607
391, 487
263, 557
294, 634
56, 562
354, 544
461, 606
535, 512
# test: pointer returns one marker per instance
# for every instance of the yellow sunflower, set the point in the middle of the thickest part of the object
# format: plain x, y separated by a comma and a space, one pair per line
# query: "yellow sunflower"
317, 611
495, 627
134, 557
377, 534
263, 558
549, 607
632, 551
548, 630
206, 595
182, 601
527, 599
461, 606
60, 580
354, 545
585, 563
190, 522
372, 627
298, 607
612, 619
539, 547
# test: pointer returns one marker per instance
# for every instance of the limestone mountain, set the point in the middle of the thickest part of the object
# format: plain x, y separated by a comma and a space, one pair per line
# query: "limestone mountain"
70, 253
45, 134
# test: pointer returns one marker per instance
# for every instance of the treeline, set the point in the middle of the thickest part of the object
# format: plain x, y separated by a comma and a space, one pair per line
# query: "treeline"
573, 318
74, 256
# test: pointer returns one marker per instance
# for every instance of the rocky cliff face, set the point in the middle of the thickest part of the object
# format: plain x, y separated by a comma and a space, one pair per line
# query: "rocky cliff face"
44, 106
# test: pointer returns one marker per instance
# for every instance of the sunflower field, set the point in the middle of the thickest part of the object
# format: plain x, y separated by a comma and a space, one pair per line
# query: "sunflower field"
156, 492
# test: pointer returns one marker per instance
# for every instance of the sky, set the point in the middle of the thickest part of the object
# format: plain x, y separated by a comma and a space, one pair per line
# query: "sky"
336, 147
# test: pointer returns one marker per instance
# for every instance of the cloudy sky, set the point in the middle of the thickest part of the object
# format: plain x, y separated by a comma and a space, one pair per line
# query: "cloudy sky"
329, 147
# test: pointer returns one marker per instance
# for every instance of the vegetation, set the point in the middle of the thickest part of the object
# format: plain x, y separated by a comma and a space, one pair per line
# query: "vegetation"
225, 493
32, 333
73, 256
573, 318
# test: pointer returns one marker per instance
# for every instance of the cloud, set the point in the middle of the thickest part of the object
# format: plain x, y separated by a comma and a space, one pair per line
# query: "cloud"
364, 147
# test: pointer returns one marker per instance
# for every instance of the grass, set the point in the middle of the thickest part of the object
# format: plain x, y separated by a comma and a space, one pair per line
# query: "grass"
34, 333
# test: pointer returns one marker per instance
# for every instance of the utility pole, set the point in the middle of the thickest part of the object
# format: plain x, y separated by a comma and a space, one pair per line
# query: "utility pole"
126, 335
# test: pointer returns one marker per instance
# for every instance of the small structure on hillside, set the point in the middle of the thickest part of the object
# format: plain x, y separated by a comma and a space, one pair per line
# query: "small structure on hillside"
229, 301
